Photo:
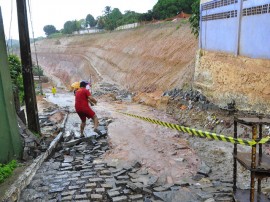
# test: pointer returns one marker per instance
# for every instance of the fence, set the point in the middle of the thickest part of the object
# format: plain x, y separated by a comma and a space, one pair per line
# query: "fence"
10, 142
128, 26
240, 27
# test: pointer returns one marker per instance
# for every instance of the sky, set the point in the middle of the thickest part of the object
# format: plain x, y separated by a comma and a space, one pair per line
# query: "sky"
57, 12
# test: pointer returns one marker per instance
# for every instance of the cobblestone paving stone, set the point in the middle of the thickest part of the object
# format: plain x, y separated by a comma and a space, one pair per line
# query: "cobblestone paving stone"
76, 172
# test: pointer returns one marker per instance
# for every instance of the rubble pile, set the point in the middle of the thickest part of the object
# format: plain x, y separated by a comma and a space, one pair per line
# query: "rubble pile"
34, 145
106, 88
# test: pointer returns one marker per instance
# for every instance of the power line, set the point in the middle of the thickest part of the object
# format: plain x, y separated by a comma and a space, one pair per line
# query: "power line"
9, 39
30, 13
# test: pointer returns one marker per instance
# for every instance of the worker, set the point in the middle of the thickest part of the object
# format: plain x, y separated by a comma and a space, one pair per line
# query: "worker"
82, 97
53, 90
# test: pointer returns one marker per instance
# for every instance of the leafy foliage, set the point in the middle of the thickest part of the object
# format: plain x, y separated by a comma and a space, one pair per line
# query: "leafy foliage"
90, 21
7, 170
195, 18
129, 17
49, 29
169, 8
71, 26
15, 67
112, 18
56, 35
146, 16
82, 23
37, 70
100, 22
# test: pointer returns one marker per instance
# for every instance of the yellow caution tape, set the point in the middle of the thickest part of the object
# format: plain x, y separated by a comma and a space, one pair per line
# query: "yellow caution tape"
202, 134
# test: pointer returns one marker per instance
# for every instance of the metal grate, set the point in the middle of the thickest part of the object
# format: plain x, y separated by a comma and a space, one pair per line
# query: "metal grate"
217, 4
218, 16
257, 10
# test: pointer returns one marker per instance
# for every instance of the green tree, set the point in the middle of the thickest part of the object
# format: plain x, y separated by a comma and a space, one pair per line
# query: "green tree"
112, 19
169, 8
37, 70
146, 16
15, 67
129, 17
49, 29
107, 10
71, 26
68, 27
76, 25
195, 18
83, 23
90, 21
100, 22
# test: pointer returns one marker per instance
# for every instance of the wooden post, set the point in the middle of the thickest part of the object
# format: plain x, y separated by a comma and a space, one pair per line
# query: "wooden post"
28, 80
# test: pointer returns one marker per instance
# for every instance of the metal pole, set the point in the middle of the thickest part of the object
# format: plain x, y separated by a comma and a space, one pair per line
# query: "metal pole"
259, 163
28, 80
260, 145
253, 164
234, 158
200, 30
239, 21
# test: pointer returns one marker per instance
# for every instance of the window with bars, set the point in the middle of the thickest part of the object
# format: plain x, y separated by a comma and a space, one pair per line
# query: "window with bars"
256, 10
218, 16
217, 4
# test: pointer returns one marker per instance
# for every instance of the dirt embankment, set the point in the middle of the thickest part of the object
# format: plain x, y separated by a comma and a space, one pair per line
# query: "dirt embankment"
223, 78
148, 60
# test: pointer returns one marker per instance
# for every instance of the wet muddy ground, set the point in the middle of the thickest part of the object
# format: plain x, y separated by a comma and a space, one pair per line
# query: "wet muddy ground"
185, 168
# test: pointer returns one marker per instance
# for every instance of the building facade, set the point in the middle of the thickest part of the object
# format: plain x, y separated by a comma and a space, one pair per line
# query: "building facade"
239, 27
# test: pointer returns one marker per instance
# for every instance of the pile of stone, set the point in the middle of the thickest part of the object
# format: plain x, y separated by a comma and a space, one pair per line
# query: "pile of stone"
191, 98
106, 88
31, 144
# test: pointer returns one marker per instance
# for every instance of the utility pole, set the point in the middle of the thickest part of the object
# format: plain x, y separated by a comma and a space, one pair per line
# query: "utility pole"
28, 80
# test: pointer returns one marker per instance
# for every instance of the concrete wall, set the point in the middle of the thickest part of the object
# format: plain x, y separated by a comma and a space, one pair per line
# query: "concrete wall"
239, 27
128, 26
255, 29
10, 141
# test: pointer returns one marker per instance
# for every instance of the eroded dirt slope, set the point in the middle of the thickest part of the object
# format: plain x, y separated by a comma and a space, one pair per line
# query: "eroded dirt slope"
223, 78
149, 59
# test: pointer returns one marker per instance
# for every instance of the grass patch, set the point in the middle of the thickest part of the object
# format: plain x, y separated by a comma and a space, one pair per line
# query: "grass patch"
177, 27
7, 170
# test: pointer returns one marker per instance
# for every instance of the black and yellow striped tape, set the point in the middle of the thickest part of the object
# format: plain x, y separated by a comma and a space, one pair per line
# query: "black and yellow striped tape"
200, 133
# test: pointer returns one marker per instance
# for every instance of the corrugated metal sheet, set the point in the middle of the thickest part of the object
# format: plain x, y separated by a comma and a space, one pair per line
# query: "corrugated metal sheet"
10, 140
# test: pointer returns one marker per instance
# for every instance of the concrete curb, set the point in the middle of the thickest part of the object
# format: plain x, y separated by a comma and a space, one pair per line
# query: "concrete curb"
13, 193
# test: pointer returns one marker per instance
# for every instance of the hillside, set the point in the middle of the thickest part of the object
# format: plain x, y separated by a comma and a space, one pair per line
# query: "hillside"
149, 59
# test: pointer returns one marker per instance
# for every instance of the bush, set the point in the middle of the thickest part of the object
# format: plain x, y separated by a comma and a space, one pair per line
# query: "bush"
37, 71
7, 170
15, 67
195, 18
55, 35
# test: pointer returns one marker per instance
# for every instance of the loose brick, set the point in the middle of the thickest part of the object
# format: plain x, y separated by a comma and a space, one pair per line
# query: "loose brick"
73, 187
91, 185
96, 196
136, 197
113, 193
68, 193
100, 190
85, 190
95, 180
81, 196
119, 198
